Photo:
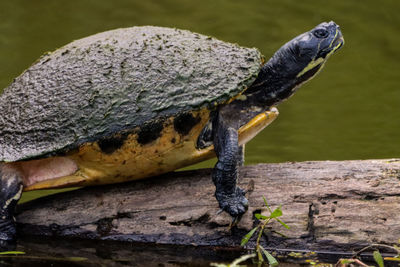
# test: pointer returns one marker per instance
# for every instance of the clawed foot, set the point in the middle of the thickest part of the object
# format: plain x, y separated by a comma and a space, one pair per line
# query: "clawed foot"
235, 204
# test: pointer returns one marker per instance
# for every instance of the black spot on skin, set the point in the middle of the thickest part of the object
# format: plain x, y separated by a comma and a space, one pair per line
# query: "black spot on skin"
150, 132
185, 122
110, 144
173, 140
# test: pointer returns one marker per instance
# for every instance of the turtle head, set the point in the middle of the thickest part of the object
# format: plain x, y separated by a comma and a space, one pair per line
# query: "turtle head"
297, 61
306, 54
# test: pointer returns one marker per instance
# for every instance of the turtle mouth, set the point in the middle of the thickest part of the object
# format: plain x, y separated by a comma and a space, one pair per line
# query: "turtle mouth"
336, 44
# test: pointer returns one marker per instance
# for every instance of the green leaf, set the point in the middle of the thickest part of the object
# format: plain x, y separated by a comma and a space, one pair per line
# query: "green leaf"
271, 260
279, 233
284, 224
276, 213
247, 237
12, 252
266, 204
260, 216
378, 258
345, 261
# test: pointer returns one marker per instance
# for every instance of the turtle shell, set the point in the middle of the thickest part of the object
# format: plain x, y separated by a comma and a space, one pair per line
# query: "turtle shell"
115, 81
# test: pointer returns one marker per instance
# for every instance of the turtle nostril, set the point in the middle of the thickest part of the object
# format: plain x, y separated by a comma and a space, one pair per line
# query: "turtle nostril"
332, 23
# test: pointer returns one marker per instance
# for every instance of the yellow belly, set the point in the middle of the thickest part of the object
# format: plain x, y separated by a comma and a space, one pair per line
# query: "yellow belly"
133, 160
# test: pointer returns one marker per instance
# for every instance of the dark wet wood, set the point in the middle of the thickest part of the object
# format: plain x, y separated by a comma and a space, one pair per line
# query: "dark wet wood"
330, 205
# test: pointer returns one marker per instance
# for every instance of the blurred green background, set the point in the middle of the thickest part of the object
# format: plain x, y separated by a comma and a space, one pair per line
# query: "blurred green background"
349, 111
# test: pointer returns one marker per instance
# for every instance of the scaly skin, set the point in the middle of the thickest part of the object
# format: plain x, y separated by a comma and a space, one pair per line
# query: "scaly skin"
230, 197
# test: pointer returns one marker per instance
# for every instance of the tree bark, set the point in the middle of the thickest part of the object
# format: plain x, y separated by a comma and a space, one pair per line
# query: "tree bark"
329, 205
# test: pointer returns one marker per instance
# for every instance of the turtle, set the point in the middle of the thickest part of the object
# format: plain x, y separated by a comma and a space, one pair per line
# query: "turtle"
138, 102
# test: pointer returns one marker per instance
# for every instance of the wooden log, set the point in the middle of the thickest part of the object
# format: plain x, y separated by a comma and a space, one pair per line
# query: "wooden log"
329, 205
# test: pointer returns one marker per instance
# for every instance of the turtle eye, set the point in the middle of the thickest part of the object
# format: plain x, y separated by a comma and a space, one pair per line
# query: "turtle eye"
321, 33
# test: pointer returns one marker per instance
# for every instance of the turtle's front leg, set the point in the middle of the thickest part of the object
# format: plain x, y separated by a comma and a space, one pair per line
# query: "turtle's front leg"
10, 193
241, 156
230, 197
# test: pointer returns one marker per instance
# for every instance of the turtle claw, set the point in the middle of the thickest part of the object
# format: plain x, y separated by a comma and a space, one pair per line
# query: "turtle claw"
219, 211
235, 221
235, 204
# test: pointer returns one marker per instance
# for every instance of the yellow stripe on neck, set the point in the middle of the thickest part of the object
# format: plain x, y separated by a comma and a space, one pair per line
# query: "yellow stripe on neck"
311, 65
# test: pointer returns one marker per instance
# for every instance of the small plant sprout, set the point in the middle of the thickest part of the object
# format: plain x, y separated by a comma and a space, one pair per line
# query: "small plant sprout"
262, 254
379, 259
